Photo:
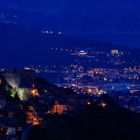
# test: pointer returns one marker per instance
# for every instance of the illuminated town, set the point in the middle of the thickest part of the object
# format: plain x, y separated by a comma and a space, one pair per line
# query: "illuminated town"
69, 70
70, 89
117, 82
94, 79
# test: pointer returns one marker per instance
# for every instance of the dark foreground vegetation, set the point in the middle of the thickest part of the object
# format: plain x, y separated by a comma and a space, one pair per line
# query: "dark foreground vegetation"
93, 123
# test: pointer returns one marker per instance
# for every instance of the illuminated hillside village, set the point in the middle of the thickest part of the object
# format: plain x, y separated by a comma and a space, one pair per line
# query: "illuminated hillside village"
28, 100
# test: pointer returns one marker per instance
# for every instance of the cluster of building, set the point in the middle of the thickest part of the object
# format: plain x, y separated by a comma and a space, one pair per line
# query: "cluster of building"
114, 74
106, 57
25, 102
74, 86
16, 87
21, 82
97, 81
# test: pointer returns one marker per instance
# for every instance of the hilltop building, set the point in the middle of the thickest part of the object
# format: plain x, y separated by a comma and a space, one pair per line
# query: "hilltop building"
21, 82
